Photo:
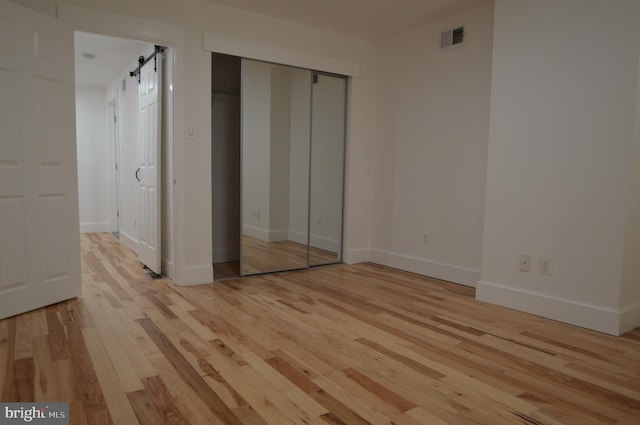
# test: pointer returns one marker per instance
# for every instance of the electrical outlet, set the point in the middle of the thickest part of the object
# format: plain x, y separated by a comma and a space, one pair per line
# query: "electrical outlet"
525, 262
546, 266
426, 239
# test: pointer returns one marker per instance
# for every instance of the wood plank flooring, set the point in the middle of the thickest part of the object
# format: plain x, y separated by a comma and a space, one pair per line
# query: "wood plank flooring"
336, 345
261, 256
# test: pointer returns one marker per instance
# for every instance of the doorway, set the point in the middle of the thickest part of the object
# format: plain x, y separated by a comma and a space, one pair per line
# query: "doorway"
108, 141
225, 164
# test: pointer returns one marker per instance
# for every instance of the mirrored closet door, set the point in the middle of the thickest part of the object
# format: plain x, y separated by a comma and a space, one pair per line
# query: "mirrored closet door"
328, 118
276, 138
290, 168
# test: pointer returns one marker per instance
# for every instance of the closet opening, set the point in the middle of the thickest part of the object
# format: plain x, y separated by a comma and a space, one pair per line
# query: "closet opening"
225, 164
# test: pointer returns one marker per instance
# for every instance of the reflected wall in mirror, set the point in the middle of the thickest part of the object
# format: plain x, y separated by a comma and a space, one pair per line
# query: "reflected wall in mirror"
276, 111
327, 169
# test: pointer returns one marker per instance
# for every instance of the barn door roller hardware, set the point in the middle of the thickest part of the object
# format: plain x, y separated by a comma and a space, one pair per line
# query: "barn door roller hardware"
142, 61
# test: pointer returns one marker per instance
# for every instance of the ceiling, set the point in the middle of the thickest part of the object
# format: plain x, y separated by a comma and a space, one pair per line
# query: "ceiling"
112, 55
369, 19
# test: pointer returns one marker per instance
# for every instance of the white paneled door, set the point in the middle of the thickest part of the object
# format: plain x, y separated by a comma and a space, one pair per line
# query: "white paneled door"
148, 175
39, 230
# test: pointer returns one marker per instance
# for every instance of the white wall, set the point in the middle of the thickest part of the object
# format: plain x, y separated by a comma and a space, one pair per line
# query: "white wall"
127, 110
93, 167
431, 165
630, 290
560, 158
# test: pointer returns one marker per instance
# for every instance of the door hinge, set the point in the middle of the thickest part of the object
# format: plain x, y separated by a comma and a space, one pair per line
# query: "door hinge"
117, 213
115, 119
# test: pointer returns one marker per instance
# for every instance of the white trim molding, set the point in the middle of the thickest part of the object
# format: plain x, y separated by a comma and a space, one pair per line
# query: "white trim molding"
629, 319
129, 241
196, 275
265, 52
584, 315
356, 256
167, 268
443, 271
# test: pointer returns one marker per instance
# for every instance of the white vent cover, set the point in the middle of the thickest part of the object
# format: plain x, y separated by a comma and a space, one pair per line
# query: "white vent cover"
454, 37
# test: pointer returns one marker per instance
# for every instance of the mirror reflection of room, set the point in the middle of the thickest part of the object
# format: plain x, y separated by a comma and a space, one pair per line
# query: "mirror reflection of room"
276, 104
327, 169
278, 142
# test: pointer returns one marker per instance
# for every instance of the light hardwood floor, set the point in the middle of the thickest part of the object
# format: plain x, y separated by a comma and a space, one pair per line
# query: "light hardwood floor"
340, 344
260, 256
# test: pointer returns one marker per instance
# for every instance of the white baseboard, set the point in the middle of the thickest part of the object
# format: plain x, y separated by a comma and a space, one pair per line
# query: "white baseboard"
167, 268
316, 241
448, 272
356, 256
629, 319
129, 241
278, 235
255, 232
298, 237
265, 235
567, 311
95, 227
196, 275
325, 243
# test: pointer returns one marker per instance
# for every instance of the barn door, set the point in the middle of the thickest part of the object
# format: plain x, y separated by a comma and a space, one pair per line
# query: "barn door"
148, 175
39, 226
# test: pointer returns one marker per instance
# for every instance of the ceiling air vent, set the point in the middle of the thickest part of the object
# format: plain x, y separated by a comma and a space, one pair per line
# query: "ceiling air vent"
452, 38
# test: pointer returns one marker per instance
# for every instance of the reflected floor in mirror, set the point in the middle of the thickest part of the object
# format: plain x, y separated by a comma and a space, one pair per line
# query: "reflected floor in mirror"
260, 256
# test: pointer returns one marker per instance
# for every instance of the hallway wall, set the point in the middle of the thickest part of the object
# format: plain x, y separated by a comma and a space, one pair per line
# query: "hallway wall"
93, 167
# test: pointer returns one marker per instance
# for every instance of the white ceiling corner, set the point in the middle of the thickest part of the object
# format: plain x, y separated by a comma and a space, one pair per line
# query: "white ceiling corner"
368, 19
